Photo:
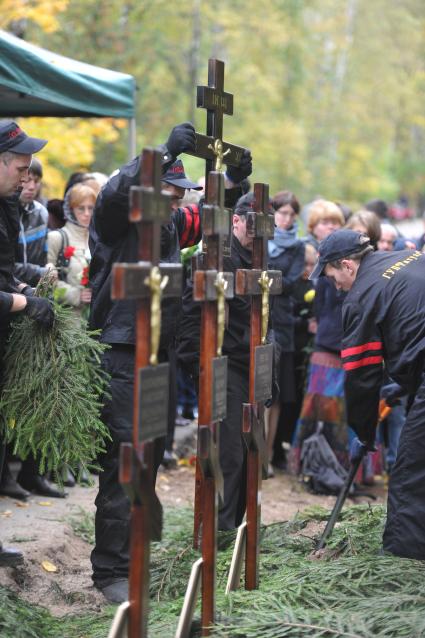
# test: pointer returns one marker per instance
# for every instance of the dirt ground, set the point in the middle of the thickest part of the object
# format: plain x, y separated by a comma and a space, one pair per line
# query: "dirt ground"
41, 529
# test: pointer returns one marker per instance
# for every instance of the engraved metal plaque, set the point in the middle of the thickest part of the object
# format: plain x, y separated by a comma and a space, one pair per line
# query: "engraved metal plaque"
153, 401
219, 388
263, 372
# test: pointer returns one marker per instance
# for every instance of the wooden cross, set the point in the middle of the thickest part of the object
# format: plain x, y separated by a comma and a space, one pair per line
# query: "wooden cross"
217, 103
258, 283
146, 281
212, 287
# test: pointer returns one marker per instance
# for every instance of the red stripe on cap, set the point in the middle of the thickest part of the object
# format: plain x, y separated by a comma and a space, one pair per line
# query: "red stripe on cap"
372, 345
366, 361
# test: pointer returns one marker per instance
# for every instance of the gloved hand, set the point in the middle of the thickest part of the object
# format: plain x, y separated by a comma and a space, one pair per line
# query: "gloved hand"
28, 291
181, 139
359, 449
237, 173
392, 392
41, 311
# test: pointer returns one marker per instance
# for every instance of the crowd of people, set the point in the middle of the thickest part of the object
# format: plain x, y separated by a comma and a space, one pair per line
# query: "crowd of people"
321, 325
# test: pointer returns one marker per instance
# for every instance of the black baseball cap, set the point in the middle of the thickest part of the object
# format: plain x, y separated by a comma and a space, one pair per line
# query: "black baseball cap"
14, 139
175, 175
338, 245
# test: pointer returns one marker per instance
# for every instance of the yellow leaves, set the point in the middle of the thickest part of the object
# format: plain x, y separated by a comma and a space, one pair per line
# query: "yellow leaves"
41, 12
48, 566
71, 146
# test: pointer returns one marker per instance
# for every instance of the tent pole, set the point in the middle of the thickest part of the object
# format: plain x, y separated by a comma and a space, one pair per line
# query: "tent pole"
131, 138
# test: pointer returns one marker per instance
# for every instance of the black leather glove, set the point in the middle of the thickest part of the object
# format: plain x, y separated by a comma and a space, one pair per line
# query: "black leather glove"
41, 311
181, 139
237, 173
392, 393
28, 291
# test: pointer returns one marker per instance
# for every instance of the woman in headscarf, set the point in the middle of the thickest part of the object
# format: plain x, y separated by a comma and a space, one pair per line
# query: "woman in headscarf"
68, 247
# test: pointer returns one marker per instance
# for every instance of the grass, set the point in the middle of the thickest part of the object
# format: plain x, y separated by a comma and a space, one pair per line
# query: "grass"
351, 592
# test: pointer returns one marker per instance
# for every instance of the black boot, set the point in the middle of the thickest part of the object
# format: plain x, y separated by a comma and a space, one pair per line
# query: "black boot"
31, 480
10, 557
40, 485
9, 487
68, 478
116, 592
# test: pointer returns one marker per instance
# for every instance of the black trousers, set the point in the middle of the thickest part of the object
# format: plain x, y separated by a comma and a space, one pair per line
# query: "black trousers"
110, 556
404, 533
233, 450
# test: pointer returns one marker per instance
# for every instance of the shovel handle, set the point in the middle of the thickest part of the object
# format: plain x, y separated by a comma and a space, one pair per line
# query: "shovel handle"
384, 411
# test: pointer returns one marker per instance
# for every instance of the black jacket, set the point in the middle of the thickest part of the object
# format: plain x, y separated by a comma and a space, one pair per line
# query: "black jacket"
9, 233
114, 239
237, 332
31, 249
383, 320
328, 312
291, 263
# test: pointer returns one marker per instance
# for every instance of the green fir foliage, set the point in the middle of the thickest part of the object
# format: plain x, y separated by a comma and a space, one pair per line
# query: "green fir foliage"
349, 592
51, 398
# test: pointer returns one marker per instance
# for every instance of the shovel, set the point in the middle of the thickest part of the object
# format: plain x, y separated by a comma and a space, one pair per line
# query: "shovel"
384, 411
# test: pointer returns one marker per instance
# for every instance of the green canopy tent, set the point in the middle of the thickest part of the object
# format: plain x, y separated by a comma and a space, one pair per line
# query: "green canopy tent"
37, 82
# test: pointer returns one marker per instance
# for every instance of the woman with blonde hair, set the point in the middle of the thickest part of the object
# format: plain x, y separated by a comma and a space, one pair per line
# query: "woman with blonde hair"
323, 405
324, 217
68, 247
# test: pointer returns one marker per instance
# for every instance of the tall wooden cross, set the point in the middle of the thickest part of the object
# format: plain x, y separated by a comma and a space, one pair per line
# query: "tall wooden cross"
212, 287
258, 283
211, 147
146, 281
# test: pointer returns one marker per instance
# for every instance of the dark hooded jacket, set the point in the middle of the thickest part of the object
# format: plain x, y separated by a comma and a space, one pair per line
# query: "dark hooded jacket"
114, 239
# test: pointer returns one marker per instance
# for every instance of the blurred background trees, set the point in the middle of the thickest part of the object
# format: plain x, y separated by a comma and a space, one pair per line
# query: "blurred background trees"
328, 94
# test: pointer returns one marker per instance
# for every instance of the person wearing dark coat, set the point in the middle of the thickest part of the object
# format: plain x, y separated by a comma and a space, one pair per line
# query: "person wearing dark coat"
286, 253
114, 239
236, 346
16, 149
384, 323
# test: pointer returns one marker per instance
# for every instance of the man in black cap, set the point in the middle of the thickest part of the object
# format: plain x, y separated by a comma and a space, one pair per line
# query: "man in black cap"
114, 239
384, 322
16, 149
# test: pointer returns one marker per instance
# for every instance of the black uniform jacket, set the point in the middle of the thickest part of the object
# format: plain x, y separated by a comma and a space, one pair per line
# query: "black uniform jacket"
237, 332
114, 239
383, 320
9, 233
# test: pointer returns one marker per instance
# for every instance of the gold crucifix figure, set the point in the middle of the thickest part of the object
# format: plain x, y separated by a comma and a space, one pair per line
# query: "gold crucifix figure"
217, 149
156, 285
221, 286
265, 284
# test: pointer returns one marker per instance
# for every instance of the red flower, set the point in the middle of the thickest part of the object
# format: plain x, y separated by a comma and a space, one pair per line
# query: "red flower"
68, 252
85, 276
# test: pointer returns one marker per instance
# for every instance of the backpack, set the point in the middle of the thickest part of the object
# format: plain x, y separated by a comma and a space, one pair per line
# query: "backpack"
319, 465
